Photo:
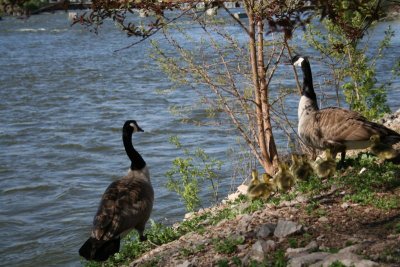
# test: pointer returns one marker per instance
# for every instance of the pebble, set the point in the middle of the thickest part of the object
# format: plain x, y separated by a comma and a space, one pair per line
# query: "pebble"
323, 219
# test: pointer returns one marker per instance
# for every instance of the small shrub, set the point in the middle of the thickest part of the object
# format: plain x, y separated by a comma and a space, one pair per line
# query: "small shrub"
223, 263
188, 173
292, 242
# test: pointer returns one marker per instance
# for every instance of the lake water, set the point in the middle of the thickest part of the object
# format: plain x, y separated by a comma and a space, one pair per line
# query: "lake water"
64, 95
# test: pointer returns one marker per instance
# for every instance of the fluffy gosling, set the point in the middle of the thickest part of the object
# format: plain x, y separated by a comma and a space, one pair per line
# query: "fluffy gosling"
382, 150
301, 167
259, 189
283, 179
327, 167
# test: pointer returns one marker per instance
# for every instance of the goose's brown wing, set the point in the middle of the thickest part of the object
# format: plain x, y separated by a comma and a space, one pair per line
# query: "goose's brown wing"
118, 210
340, 125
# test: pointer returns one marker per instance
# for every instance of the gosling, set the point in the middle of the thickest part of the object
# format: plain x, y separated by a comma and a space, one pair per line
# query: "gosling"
301, 167
327, 167
283, 179
382, 150
260, 189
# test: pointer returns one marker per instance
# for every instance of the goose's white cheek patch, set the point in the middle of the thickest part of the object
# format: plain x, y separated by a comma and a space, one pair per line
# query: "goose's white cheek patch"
135, 129
298, 62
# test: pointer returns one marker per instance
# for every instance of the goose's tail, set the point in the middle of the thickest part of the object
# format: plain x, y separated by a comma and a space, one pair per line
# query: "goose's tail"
99, 250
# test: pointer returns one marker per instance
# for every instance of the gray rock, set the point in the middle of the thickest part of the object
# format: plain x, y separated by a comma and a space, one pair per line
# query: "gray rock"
244, 223
257, 251
270, 245
307, 259
261, 248
186, 263
350, 249
285, 228
346, 258
265, 230
294, 252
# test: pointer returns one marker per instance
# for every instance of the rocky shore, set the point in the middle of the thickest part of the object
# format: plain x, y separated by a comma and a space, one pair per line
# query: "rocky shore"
321, 230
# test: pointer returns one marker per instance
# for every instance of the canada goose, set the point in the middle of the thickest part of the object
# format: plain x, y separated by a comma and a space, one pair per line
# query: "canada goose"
283, 179
125, 205
300, 168
327, 167
335, 128
381, 150
259, 189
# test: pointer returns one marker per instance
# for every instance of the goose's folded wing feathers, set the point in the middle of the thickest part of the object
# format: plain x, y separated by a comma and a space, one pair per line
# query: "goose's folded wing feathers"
338, 125
117, 210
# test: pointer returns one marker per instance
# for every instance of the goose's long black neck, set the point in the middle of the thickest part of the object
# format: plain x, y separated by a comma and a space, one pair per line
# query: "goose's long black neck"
137, 162
308, 87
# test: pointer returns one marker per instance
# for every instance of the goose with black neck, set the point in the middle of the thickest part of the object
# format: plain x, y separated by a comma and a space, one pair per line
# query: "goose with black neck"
334, 128
125, 205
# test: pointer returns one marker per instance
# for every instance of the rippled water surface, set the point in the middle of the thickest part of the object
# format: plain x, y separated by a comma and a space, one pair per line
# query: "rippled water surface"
64, 95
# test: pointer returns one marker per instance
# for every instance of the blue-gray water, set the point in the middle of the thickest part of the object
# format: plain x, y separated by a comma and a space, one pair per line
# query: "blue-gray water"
64, 95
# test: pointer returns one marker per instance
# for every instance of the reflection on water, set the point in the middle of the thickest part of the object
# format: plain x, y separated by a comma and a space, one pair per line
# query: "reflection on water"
64, 97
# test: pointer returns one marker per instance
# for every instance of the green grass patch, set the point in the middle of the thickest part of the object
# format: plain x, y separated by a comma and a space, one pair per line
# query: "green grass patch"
227, 245
223, 263
365, 181
337, 264
185, 252
368, 187
397, 228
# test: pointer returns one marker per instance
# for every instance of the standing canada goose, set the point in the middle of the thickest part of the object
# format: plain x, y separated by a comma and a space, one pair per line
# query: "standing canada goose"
125, 205
327, 167
300, 168
381, 150
335, 128
283, 179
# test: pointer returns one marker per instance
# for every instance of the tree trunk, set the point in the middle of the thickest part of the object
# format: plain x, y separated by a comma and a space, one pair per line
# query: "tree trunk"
271, 152
264, 130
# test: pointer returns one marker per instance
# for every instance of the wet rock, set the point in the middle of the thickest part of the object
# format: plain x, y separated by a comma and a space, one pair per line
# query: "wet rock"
346, 258
286, 228
307, 259
294, 252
